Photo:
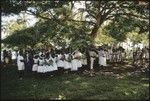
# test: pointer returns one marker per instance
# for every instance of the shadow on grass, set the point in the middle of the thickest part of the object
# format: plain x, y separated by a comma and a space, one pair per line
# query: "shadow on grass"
72, 86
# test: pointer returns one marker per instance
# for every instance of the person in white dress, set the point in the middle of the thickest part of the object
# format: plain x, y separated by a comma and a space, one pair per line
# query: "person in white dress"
20, 64
67, 62
60, 60
75, 61
35, 64
93, 55
147, 54
110, 54
118, 55
102, 57
2, 60
54, 64
49, 64
83, 60
14, 56
41, 65
79, 55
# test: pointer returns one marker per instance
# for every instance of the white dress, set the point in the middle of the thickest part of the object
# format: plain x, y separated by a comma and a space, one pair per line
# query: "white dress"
21, 65
107, 55
14, 55
41, 66
54, 63
147, 54
67, 64
75, 62
102, 58
79, 63
49, 66
2, 57
110, 54
60, 63
35, 65
93, 55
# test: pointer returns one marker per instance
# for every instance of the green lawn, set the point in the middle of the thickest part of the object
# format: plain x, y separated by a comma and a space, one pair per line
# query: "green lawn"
73, 86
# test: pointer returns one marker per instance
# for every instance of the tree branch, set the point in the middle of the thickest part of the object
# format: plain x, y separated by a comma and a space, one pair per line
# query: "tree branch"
131, 14
90, 22
33, 13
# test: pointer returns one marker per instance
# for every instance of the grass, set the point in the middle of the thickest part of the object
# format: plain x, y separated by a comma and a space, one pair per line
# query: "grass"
73, 86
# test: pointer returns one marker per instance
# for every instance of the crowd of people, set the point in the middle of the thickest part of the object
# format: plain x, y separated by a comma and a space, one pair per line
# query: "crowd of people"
47, 61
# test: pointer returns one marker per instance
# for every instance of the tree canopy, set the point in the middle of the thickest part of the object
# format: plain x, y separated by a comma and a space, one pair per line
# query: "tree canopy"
60, 25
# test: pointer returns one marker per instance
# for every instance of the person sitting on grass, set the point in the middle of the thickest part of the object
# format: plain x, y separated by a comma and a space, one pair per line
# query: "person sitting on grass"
20, 64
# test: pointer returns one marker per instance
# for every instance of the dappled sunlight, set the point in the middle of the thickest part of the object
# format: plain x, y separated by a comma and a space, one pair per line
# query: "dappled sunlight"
78, 78
106, 84
61, 97
145, 79
67, 82
146, 85
84, 84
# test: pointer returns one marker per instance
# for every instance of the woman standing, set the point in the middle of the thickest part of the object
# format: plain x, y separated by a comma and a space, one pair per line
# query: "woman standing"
41, 65
67, 62
20, 64
35, 64
75, 61
102, 57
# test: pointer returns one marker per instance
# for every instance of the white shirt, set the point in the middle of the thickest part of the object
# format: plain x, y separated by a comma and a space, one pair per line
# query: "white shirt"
19, 58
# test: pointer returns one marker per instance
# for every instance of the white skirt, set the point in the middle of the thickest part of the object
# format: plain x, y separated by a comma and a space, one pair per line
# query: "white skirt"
7, 60
21, 66
67, 65
79, 63
60, 63
35, 67
74, 65
41, 69
55, 66
102, 61
48, 68
84, 61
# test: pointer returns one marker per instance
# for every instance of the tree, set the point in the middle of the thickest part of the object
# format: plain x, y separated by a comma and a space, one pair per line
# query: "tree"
101, 11
98, 11
60, 18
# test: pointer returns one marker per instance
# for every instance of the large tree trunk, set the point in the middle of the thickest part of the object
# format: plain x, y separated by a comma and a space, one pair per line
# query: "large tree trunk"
94, 31
96, 27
